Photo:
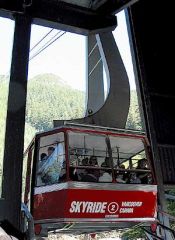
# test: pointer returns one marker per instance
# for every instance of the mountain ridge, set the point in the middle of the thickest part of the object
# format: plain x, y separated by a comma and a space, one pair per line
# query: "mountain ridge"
45, 78
50, 78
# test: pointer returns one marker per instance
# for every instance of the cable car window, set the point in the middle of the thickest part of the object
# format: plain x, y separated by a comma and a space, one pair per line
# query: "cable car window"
51, 167
102, 158
130, 162
83, 146
89, 159
124, 148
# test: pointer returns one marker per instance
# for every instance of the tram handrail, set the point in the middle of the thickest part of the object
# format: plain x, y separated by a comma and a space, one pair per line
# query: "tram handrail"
108, 168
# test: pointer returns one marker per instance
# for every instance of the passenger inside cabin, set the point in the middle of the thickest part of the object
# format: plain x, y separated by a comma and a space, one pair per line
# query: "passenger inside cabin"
73, 174
62, 175
89, 176
50, 150
43, 156
121, 177
93, 161
142, 165
106, 163
133, 178
82, 171
50, 169
140, 177
85, 162
43, 159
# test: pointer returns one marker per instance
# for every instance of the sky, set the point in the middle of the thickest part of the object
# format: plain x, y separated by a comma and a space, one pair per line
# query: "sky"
66, 56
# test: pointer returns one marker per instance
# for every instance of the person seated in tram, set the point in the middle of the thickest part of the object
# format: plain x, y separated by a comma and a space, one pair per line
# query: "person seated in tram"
85, 161
81, 171
62, 175
89, 176
42, 164
142, 165
52, 167
93, 161
133, 178
50, 150
140, 177
73, 175
122, 177
106, 163
43, 156
43, 159
105, 176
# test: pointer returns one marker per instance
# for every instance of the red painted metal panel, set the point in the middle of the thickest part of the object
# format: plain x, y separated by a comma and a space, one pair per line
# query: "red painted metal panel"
50, 205
96, 204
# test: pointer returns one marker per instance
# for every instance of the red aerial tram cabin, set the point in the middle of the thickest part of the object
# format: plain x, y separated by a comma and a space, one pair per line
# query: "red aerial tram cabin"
83, 179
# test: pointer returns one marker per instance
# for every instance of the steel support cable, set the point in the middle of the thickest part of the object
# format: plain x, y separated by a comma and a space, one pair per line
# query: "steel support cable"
38, 43
41, 40
47, 42
46, 46
42, 47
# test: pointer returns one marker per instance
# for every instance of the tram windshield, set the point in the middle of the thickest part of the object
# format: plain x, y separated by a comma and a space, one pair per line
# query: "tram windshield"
105, 158
92, 157
51, 167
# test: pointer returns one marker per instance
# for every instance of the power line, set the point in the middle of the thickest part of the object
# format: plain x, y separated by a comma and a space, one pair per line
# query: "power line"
49, 41
46, 43
46, 46
41, 40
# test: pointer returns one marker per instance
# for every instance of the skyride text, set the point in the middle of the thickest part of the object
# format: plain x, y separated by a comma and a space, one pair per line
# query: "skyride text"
103, 207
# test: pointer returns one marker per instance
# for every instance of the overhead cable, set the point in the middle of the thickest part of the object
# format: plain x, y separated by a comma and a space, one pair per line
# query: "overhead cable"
48, 41
41, 40
47, 45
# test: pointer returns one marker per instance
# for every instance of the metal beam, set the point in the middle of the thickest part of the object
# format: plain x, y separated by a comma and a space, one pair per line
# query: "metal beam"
115, 110
112, 6
63, 16
2, 207
15, 123
94, 77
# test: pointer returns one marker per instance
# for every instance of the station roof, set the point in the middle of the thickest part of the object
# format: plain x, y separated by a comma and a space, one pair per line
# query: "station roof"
78, 16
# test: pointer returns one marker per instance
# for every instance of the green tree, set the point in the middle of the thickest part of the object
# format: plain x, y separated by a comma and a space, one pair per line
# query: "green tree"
49, 98
133, 234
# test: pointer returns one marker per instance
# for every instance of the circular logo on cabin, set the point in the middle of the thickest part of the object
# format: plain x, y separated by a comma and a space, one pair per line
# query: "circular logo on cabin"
112, 207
